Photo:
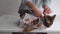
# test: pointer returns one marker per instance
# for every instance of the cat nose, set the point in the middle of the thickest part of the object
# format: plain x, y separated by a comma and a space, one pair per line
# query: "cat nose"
54, 15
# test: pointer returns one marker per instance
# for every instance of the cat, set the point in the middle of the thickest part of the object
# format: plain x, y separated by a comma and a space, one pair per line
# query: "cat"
47, 21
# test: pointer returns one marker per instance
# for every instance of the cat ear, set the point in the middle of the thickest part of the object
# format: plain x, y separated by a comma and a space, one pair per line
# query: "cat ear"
53, 17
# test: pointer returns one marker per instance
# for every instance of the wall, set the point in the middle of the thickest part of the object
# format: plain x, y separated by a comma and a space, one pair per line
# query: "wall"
9, 7
55, 5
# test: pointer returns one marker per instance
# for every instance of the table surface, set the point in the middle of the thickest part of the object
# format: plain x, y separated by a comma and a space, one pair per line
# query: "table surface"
7, 24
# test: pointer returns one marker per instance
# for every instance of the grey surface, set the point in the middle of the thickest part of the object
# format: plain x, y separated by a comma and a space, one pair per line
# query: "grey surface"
54, 33
5, 32
7, 24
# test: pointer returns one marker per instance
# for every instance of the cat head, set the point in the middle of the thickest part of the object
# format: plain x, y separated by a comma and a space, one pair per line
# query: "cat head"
48, 20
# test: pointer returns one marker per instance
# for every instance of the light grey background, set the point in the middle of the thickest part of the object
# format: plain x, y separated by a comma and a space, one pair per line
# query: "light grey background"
10, 7
55, 6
